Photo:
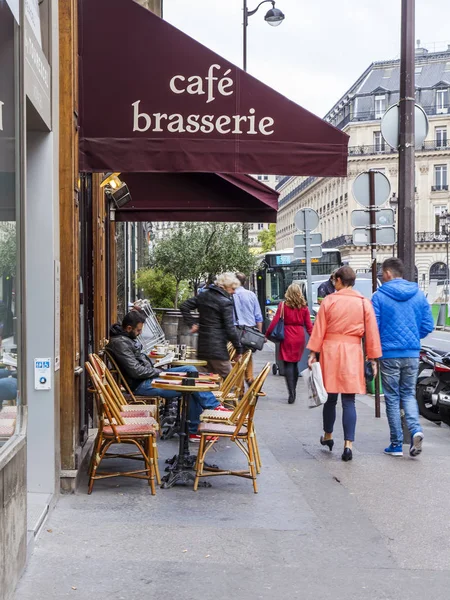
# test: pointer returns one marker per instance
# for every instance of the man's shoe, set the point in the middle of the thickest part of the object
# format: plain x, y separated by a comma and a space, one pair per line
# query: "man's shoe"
394, 450
416, 444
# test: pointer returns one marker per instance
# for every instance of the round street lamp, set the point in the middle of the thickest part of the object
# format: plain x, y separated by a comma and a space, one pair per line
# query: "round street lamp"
274, 16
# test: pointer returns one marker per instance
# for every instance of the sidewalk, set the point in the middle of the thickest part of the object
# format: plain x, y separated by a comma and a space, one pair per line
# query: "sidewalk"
374, 528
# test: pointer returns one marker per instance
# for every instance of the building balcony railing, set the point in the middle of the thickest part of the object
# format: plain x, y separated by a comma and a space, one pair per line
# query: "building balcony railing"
431, 145
421, 237
373, 115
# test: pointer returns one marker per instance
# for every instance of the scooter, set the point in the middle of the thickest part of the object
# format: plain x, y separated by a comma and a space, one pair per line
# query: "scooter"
433, 385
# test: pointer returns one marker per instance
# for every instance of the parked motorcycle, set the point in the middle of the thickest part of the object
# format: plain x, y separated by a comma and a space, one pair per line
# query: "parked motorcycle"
433, 385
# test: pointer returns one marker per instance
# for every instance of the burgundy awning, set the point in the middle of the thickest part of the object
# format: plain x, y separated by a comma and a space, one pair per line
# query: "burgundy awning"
154, 99
198, 197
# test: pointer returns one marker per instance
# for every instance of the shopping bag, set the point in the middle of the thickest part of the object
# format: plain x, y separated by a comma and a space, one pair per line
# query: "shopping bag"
317, 394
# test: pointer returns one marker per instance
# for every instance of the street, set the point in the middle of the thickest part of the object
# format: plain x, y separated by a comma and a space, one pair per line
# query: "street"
372, 529
438, 339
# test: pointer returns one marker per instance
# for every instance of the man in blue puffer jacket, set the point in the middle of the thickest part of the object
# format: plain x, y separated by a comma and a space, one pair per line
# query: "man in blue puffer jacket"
404, 317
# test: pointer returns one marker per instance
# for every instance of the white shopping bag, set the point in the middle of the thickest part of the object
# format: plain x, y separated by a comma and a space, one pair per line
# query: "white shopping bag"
317, 394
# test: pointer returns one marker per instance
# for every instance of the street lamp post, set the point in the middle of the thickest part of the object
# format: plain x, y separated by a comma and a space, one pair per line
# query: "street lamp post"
273, 17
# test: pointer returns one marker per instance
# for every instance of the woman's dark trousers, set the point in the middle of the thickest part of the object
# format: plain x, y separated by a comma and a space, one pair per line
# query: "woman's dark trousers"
348, 415
291, 376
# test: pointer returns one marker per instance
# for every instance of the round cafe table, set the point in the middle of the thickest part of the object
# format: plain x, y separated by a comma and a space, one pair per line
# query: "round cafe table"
183, 462
189, 361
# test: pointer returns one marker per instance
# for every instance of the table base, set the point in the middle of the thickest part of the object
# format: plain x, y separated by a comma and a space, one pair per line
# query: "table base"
181, 478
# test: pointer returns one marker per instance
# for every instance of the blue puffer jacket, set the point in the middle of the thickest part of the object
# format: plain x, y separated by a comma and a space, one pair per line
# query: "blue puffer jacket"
403, 317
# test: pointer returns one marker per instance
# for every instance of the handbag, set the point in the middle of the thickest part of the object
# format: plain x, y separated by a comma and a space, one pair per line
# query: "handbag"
277, 334
249, 337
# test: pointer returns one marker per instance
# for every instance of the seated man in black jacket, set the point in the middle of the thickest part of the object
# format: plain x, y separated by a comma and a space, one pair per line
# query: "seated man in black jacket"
139, 371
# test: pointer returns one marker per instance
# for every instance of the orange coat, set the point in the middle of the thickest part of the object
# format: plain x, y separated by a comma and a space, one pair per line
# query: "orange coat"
337, 335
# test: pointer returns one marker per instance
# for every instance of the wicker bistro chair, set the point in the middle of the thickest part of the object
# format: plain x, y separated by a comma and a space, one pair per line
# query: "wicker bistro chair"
240, 430
140, 409
113, 430
229, 418
132, 398
232, 387
132, 414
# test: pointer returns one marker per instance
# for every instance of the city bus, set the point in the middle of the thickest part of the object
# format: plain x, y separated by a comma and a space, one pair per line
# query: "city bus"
278, 269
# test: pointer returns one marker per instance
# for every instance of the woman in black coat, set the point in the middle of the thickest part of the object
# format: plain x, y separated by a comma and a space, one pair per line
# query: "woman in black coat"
216, 323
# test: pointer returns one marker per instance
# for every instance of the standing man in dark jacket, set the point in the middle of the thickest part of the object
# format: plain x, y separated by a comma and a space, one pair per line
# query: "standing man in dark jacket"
139, 371
216, 323
404, 317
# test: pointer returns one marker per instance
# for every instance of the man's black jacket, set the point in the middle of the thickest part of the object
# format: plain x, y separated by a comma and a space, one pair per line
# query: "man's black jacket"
127, 353
216, 323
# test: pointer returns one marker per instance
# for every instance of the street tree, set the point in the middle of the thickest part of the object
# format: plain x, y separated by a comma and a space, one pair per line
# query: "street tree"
267, 238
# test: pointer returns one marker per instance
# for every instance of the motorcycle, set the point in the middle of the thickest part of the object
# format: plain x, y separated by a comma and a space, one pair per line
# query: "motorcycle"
433, 385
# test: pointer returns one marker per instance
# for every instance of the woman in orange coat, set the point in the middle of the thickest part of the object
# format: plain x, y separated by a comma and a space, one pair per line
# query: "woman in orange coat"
344, 318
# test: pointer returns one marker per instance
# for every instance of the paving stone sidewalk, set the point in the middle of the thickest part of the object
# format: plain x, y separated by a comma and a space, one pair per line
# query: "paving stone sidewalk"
375, 528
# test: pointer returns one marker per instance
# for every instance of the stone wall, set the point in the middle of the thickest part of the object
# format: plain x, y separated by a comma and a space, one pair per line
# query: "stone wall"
153, 5
13, 522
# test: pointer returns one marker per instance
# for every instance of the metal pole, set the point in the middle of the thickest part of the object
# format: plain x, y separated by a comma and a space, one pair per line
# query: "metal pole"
373, 249
308, 268
406, 208
244, 37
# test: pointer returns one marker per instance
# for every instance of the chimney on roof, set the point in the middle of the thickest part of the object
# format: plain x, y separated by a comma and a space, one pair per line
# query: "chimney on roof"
420, 50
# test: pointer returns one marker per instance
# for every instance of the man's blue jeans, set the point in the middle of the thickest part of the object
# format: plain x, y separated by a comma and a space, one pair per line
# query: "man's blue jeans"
199, 400
399, 378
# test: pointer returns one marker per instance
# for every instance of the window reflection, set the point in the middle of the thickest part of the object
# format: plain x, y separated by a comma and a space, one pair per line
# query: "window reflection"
9, 193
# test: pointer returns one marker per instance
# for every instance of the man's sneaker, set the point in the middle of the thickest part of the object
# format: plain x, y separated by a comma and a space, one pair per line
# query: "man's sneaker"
416, 444
222, 408
394, 450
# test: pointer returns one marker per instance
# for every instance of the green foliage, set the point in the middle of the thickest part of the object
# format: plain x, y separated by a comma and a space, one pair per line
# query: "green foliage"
160, 288
197, 251
267, 238
8, 249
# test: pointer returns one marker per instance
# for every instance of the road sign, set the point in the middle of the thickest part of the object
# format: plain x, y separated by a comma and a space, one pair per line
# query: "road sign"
383, 217
361, 189
300, 239
300, 252
306, 218
385, 236
390, 126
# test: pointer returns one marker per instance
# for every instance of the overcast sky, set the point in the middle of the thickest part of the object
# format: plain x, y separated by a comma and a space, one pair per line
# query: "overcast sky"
320, 49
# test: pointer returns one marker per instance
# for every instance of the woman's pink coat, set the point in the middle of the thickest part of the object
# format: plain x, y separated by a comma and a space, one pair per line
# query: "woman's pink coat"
337, 334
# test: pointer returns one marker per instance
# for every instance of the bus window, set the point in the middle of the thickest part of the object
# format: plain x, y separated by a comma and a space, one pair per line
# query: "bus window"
275, 286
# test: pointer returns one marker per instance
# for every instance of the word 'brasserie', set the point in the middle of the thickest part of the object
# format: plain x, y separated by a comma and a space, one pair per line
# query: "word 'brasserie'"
249, 124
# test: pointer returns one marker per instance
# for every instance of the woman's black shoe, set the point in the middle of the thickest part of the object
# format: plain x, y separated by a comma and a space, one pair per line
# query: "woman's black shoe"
329, 443
291, 399
347, 454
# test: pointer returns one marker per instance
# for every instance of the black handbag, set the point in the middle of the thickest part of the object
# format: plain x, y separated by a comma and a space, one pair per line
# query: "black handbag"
249, 337
277, 334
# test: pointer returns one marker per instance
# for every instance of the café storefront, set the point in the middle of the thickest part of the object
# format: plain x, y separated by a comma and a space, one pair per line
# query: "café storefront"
183, 127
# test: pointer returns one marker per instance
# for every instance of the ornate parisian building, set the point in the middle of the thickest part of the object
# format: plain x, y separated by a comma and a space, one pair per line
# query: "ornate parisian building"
359, 113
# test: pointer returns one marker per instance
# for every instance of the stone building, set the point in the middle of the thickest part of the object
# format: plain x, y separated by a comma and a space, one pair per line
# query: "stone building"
359, 113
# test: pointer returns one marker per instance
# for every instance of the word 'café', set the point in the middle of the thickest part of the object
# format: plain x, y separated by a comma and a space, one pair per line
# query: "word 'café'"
248, 124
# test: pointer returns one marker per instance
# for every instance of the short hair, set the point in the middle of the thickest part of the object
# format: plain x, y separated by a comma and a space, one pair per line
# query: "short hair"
347, 276
227, 280
395, 266
242, 278
132, 319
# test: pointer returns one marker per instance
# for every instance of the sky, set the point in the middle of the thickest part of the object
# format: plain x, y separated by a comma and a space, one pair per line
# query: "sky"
320, 49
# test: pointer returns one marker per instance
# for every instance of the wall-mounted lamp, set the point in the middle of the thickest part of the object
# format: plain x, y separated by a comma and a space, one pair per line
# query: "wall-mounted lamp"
116, 189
